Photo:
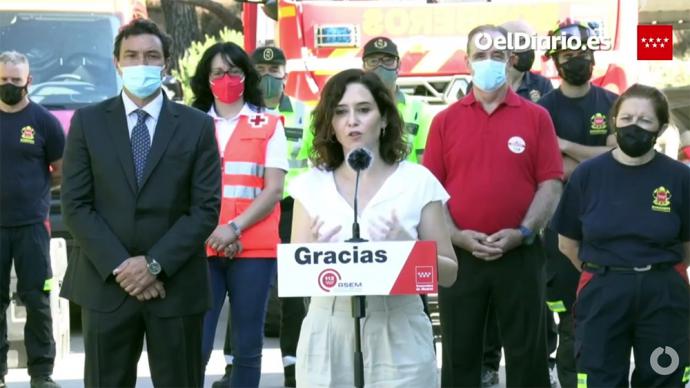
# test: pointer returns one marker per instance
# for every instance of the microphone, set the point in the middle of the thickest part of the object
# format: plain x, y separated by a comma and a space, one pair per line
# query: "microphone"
359, 160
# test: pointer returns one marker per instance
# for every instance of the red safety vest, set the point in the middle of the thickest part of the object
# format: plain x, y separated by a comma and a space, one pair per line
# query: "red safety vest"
243, 180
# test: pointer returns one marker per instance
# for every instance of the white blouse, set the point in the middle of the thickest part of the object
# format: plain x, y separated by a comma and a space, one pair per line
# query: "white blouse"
407, 190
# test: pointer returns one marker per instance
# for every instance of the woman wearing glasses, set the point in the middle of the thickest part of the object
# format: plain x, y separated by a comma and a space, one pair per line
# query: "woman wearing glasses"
242, 248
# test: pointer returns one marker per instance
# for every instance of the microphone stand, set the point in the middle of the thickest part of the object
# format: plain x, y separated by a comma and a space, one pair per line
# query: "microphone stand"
358, 303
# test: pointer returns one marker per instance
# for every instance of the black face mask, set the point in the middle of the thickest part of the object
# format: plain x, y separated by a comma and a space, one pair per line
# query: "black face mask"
577, 71
525, 61
635, 141
11, 94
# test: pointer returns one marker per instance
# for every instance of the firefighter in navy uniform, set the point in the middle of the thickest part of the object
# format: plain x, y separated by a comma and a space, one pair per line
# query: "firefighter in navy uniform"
31, 144
579, 111
624, 221
523, 81
270, 64
381, 56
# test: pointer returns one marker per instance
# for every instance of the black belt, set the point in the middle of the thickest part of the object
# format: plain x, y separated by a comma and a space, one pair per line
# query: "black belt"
603, 268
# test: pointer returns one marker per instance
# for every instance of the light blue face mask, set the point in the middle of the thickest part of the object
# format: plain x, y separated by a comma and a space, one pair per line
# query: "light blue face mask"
388, 76
142, 80
489, 74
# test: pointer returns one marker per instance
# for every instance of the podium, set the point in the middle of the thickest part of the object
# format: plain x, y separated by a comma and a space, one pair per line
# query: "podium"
357, 269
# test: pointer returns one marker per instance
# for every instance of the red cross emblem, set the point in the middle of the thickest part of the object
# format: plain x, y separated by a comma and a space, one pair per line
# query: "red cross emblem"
258, 121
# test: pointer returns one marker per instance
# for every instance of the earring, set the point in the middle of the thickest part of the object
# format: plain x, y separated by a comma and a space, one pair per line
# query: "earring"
383, 131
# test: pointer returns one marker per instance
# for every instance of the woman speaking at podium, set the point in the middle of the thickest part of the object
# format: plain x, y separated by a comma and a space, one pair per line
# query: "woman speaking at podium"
398, 200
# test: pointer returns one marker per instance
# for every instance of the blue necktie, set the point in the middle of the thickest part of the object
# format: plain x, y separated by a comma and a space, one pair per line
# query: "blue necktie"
141, 144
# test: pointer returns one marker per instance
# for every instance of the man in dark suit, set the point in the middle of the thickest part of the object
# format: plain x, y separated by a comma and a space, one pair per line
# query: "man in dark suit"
141, 193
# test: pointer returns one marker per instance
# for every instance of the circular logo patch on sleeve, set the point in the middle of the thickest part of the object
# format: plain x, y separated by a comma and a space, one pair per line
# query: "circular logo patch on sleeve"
516, 145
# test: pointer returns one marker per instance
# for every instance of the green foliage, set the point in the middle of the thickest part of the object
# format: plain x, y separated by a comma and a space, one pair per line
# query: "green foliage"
187, 64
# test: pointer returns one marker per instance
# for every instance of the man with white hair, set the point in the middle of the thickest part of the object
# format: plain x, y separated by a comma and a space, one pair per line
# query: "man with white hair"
31, 145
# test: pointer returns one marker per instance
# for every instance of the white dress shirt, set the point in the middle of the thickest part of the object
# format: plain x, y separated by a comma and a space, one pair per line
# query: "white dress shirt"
153, 109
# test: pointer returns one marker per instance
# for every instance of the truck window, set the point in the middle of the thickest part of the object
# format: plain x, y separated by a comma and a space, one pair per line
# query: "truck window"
70, 55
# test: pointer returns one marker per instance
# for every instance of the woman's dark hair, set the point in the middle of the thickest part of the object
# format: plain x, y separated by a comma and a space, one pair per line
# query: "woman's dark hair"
203, 97
654, 95
327, 152
142, 27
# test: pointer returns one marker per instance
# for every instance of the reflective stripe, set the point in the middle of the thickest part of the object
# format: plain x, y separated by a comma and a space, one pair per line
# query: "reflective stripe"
297, 163
244, 168
557, 306
686, 375
582, 380
245, 192
48, 284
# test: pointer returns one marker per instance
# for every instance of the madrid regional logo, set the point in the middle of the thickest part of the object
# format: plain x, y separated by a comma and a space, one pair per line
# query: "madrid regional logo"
598, 124
661, 200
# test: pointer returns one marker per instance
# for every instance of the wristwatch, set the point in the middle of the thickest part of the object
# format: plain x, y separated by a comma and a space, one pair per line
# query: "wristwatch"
153, 266
235, 228
527, 235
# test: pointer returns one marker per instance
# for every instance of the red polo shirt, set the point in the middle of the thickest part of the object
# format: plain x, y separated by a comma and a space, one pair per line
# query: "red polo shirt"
491, 164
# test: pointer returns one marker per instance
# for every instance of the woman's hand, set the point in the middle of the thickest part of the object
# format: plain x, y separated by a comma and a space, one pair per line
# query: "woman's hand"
318, 234
221, 238
233, 249
388, 229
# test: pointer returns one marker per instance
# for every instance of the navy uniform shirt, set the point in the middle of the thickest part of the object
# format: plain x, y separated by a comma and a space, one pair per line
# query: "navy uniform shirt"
534, 86
627, 216
30, 140
583, 120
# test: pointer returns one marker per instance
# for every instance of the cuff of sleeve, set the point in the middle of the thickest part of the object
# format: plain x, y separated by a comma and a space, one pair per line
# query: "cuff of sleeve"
551, 175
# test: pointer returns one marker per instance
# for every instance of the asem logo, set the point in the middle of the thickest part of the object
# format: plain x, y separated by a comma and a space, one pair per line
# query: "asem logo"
424, 275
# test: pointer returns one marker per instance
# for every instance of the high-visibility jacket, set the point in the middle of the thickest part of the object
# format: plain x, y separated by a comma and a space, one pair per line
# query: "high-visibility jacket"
297, 123
417, 117
243, 167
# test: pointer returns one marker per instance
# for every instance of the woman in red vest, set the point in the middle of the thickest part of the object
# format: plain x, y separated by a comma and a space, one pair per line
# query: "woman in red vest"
242, 249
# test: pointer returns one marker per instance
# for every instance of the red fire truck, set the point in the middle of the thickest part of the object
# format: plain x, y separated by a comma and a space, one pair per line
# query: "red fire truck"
321, 38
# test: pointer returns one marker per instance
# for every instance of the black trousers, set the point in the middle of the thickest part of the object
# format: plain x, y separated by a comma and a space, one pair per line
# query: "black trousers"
292, 310
113, 342
492, 342
515, 285
560, 295
646, 312
29, 246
